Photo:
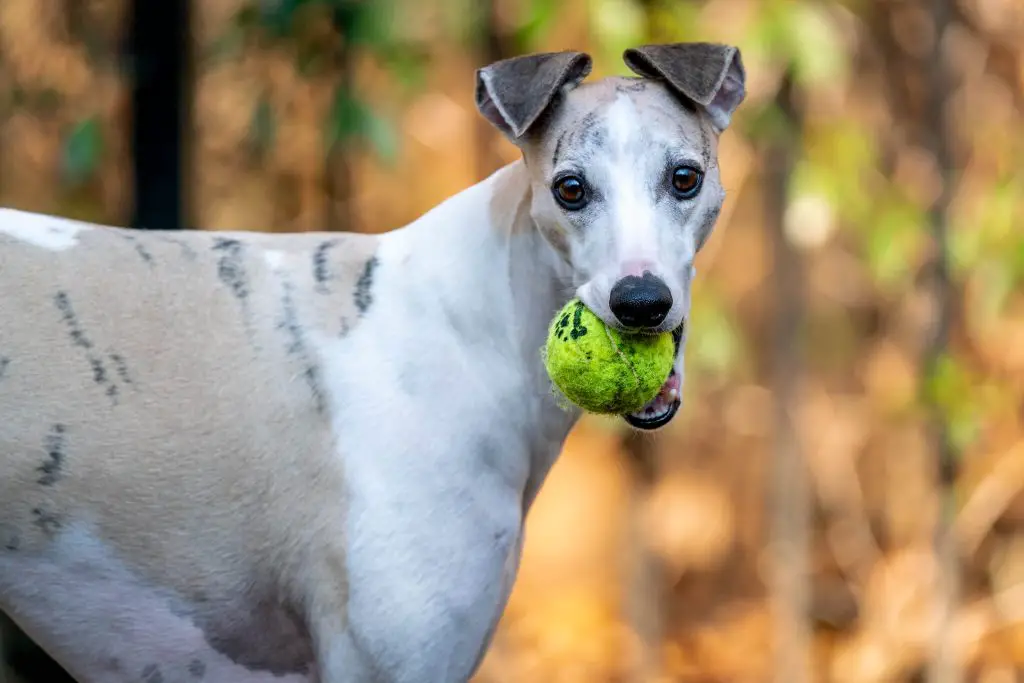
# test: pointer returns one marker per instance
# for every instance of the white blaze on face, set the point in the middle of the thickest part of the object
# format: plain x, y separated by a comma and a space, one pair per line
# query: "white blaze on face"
630, 207
45, 232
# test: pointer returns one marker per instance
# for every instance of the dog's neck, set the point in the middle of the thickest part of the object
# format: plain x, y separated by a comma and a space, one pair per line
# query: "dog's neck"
498, 282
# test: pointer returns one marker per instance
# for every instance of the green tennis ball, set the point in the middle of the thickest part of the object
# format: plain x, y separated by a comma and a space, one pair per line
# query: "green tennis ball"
602, 370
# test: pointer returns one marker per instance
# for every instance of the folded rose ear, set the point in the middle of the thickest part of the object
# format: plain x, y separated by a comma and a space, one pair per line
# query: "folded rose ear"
513, 93
708, 74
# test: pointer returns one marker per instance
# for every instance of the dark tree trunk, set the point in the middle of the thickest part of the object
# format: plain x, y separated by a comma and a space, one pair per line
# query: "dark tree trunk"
789, 495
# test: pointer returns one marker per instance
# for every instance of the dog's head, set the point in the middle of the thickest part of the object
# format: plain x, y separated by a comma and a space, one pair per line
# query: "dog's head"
624, 173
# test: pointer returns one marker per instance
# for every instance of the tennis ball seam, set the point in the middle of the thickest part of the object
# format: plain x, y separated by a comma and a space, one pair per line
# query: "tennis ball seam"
622, 355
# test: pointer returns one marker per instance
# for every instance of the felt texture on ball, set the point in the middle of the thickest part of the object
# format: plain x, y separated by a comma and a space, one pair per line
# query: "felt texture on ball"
600, 369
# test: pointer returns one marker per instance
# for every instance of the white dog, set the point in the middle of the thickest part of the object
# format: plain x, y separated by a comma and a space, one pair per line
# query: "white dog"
254, 457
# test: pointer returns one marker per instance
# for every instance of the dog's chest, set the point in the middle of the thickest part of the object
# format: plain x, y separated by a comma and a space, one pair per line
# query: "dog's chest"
435, 489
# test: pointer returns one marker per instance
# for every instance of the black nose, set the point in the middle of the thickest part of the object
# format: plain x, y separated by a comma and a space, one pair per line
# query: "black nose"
640, 301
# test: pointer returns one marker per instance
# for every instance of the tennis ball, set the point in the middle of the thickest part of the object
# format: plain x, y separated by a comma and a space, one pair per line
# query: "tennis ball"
600, 369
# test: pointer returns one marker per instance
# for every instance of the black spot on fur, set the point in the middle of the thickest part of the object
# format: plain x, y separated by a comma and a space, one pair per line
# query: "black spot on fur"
152, 674
197, 669
12, 544
48, 522
4, 363
82, 341
139, 248
321, 266
297, 345
363, 294
52, 468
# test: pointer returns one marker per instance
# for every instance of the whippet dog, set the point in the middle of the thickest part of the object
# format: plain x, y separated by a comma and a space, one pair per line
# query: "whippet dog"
244, 457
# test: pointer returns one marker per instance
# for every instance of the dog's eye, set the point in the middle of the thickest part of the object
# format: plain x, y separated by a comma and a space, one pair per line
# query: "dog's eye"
570, 192
686, 181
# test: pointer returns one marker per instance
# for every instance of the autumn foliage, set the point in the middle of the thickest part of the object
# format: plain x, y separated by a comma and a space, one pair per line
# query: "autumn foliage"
666, 567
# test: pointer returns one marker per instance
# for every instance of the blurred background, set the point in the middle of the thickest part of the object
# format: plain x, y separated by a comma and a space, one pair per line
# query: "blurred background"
841, 497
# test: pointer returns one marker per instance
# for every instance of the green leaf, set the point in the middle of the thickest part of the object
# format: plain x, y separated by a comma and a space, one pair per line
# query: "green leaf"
714, 344
813, 44
83, 150
894, 240
409, 65
345, 118
383, 137
616, 25
540, 15
226, 46
350, 119
262, 128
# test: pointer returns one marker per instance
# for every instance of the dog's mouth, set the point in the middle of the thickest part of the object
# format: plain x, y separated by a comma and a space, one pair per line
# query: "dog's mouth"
660, 410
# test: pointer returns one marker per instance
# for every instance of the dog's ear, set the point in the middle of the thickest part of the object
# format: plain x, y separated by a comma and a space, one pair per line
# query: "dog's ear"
513, 93
709, 74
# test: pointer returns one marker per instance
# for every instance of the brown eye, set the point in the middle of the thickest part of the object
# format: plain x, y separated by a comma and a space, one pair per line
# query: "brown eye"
686, 182
570, 192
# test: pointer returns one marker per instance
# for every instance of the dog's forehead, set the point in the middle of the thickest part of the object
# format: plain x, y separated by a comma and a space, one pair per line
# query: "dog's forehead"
617, 110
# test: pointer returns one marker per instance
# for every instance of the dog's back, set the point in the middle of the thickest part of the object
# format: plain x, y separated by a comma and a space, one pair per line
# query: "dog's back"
135, 366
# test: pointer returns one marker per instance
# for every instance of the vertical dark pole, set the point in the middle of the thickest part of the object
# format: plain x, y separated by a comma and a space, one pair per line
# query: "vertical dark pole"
943, 665
161, 105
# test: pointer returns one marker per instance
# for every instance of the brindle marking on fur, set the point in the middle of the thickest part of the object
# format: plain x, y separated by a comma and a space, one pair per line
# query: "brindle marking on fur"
707, 225
298, 346
52, 468
322, 267
363, 293
705, 147
558, 148
121, 367
231, 270
152, 674
581, 134
186, 249
79, 339
139, 248
197, 669
631, 86
48, 522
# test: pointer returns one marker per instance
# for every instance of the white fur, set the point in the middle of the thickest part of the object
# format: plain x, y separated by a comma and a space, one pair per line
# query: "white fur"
274, 258
114, 626
53, 234
453, 518
634, 219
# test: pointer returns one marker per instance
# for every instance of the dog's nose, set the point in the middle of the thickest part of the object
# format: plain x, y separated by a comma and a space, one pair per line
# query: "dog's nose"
640, 301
